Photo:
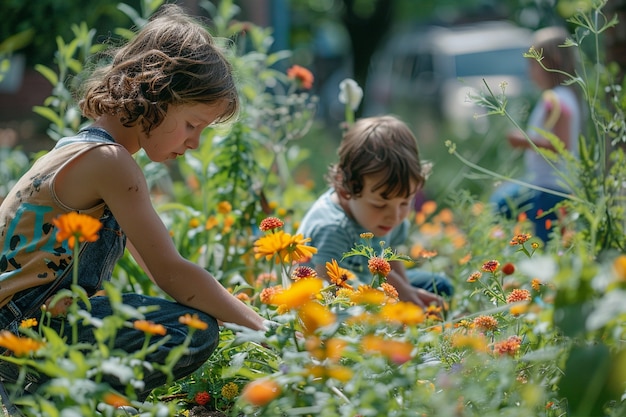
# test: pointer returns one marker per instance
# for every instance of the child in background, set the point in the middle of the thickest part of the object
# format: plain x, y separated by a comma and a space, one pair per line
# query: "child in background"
373, 186
158, 93
559, 112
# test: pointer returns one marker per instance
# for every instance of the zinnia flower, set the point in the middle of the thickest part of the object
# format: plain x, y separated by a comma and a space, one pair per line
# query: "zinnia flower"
520, 239
491, 266
75, 226
379, 266
270, 223
338, 275
474, 276
230, 390
508, 347
303, 271
302, 75
202, 397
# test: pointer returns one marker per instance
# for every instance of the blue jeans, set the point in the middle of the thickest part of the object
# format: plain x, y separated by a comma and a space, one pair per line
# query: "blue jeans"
97, 260
436, 283
511, 199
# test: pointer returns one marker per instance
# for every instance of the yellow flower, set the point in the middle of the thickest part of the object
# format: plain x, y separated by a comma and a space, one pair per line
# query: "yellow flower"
297, 250
299, 293
224, 207
193, 321
338, 275
402, 313
477, 342
211, 222
397, 351
619, 267
194, 222
314, 315
28, 323
149, 327
367, 235
20, 346
272, 245
76, 226
230, 390
368, 295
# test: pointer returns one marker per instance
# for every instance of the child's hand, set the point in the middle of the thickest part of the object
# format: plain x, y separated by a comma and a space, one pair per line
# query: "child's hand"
428, 298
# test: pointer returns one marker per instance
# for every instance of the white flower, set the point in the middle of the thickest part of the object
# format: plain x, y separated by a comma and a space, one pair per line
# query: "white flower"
350, 93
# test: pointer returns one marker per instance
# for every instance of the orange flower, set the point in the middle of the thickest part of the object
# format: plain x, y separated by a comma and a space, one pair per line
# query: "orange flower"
397, 351
149, 327
115, 400
535, 284
194, 222
28, 323
476, 342
268, 293
271, 223
76, 226
518, 295
283, 247
508, 268
202, 397
486, 323
20, 346
314, 315
260, 392
404, 313
302, 75
379, 266
474, 276
520, 239
193, 321
368, 295
211, 222
619, 267
508, 347
338, 275
390, 290
491, 266
299, 293
224, 207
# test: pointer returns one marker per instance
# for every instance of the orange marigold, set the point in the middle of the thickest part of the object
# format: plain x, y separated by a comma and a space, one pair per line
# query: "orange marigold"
518, 295
302, 75
486, 323
260, 392
509, 346
390, 290
20, 346
269, 292
149, 327
193, 321
379, 266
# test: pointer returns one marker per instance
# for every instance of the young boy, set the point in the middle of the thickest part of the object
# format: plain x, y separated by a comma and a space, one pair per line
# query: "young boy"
372, 189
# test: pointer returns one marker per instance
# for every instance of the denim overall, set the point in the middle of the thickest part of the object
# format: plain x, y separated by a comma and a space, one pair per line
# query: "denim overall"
96, 262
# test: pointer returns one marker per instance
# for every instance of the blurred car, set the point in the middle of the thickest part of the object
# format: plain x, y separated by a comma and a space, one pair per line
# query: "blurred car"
440, 66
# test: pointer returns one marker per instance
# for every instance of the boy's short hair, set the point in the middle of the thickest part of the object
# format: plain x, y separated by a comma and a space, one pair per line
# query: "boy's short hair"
378, 145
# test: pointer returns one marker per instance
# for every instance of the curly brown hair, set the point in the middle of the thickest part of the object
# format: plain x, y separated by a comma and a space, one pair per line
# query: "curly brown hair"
374, 145
172, 60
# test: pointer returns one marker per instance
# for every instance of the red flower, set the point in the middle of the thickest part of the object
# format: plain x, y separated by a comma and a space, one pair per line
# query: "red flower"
270, 223
202, 397
302, 75
508, 269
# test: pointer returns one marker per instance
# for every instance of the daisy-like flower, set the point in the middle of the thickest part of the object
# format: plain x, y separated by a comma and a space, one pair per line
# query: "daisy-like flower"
486, 323
367, 295
474, 276
283, 247
303, 271
520, 239
338, 275
535, 284
303, 76
491, 266
149, 327
230, 390
367, 235
379, 266
350, 93
193, 321
20, 346
403, 313
297, 250
75, 226
518, 295
271, 223
314, 315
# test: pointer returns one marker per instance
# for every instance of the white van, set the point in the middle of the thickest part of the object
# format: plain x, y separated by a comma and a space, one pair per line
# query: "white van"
440, 66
